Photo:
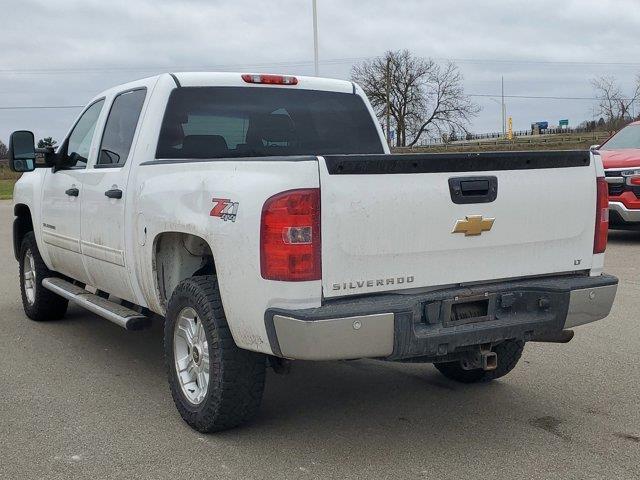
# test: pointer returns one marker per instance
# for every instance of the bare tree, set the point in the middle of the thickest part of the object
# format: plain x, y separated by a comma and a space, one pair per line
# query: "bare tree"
613, 105
421, 96
3, 151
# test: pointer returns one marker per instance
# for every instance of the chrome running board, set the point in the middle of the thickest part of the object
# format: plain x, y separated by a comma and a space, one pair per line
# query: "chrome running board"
122, 316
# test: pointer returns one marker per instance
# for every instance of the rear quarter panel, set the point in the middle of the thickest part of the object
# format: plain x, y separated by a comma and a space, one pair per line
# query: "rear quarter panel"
178, 198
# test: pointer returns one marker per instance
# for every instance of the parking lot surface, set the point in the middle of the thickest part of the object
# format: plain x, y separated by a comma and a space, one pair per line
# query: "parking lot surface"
82, 398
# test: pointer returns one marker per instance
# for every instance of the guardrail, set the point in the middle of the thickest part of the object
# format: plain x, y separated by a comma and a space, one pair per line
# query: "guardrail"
520, 140
498, 136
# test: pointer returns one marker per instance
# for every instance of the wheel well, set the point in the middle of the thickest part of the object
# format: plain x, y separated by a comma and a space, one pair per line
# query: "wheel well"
22, 225
178, 256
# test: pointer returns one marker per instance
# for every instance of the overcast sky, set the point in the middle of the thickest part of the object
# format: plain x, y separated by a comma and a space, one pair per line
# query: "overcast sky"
63, 52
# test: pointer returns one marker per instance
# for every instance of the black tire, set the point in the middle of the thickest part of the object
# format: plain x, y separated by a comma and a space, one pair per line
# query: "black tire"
236, 376
508, 353
46, 305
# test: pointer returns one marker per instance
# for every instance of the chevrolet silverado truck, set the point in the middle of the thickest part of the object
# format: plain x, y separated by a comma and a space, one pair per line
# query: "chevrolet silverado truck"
263, 219
621, 160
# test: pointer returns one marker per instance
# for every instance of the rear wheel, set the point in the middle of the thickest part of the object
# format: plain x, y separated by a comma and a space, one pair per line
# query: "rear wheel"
508, 354
39, 303
215, 385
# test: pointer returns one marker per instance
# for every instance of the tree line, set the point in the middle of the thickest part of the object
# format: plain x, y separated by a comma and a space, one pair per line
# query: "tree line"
416, 97
615, 106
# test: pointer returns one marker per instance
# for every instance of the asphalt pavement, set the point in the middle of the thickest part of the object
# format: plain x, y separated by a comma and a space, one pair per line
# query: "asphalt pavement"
82, 398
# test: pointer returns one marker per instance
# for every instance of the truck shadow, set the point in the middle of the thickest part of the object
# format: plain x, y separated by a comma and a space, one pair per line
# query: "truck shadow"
622, 237
349, 404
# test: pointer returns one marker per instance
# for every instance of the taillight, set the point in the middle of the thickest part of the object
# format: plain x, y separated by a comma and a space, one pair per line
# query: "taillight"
270, 79
290, 239
602, 216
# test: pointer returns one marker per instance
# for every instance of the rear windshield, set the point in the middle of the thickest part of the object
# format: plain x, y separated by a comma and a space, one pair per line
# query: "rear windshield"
223, 122
628, 137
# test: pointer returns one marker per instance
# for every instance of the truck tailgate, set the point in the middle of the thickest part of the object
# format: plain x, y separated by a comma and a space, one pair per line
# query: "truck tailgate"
395, 222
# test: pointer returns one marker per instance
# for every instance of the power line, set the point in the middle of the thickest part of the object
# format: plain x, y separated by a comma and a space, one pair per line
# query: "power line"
301, 63
479, 95
542, 62
526, 97
541, 97
173, 68
39, 107
531, 97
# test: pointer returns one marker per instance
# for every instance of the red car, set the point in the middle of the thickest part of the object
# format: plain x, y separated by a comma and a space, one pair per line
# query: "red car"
621, 158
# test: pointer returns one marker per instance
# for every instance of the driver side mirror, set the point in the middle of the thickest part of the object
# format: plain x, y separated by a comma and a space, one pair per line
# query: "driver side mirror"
22, 151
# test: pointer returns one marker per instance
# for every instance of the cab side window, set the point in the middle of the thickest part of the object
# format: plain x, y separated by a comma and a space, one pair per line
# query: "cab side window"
120, 128
79, 142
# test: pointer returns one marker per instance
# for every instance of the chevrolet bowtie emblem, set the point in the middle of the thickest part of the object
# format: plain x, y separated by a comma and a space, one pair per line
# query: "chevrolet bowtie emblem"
473, 225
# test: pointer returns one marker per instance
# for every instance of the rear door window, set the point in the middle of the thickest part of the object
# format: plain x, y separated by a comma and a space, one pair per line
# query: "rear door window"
120, 128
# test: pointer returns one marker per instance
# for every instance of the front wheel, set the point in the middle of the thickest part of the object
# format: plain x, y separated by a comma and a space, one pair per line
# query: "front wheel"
39, 303
508, 354
215, 385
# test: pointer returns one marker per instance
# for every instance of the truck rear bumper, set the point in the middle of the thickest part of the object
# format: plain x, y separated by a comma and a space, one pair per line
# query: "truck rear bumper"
434, 324
620, 213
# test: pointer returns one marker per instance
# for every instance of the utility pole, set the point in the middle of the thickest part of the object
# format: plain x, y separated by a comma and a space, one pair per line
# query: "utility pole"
504, 111
388, 109
315, 38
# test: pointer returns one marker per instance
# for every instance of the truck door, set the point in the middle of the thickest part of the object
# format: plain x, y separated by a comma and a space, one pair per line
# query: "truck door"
104, 198
61, 198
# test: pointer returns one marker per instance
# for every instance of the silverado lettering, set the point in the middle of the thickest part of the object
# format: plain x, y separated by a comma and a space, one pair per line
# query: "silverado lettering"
370, 283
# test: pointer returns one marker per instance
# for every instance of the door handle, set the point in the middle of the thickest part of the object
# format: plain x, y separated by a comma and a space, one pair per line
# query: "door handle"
72, 192
466, 190
113, 193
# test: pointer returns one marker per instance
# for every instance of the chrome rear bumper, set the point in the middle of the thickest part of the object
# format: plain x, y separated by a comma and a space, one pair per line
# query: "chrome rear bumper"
363, 336
589, 305
405, 326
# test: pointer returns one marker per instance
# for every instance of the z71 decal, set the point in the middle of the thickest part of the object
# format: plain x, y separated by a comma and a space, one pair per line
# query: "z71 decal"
225, 209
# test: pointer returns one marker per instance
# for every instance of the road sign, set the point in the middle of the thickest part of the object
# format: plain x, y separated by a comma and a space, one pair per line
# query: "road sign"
564, 123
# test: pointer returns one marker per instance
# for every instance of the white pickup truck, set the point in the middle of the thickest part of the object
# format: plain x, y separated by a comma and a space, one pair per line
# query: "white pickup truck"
263, 218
